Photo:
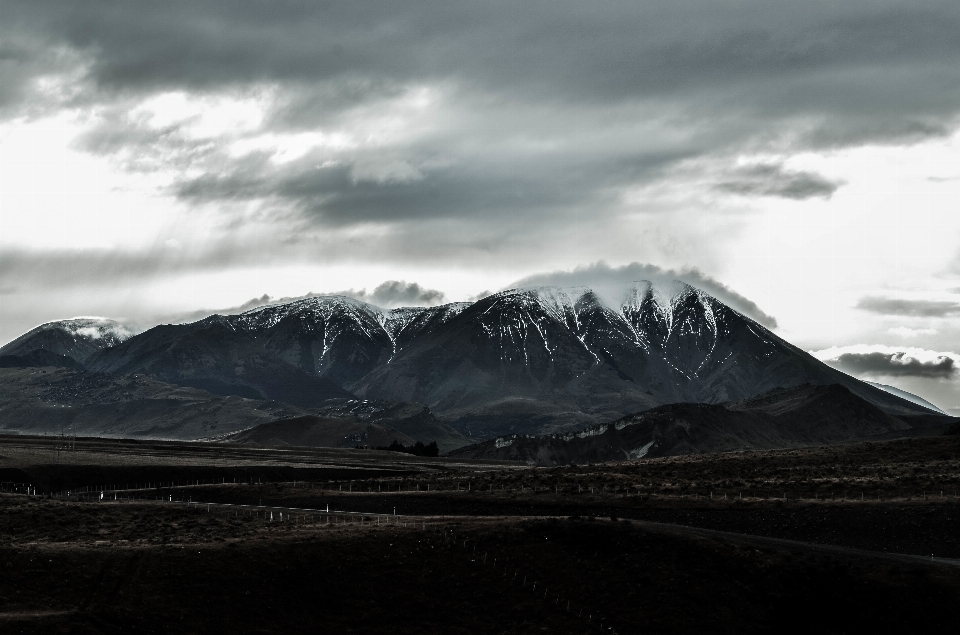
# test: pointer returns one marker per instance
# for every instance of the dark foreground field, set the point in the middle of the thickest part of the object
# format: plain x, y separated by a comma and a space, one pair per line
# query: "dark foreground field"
488, 549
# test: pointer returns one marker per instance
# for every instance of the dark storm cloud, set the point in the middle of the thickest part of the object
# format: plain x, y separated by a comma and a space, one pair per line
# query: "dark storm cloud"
602, 51
333, 195
600, 274
400, 293
542, 111
774, 180
391, 294
63, 268
858, 60
894, 365
149, 148
916, 308
24, 56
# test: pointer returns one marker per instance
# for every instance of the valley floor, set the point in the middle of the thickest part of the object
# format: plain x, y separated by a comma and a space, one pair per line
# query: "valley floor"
490, 548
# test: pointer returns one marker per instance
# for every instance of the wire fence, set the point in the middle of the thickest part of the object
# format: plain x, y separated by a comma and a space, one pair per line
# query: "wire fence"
479, 487
527, 579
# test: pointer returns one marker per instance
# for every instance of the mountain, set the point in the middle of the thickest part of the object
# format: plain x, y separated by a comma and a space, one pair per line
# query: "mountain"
305, 353
534, 360
549, 359
77, 338
270, 358
782, 418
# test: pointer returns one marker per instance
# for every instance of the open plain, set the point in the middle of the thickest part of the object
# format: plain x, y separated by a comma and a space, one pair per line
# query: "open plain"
153, 537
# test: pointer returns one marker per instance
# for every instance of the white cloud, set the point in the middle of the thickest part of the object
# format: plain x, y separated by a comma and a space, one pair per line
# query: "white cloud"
204, 116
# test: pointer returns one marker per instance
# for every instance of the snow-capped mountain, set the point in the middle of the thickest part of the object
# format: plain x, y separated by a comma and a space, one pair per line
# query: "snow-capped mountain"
77, 338
565, 356
542, 359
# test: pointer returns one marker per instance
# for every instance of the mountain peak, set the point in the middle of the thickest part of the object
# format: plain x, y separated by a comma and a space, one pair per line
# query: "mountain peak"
320, 307
77, 337
526, 359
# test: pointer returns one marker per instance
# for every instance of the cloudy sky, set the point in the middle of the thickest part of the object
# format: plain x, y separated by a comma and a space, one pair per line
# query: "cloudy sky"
167, 159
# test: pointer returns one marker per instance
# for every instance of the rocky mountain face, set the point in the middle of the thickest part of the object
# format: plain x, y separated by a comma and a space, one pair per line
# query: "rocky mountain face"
304, 353
230, 356
550, 359
801, 416
525, 361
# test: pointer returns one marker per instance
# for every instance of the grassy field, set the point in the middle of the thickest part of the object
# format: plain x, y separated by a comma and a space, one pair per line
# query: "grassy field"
478, 547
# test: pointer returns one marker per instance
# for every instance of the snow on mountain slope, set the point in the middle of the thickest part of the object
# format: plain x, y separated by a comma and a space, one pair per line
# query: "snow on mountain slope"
366, 319
398, 319
543, 346
317, 309
520, 352
336, 337
675, 322
406, 324
77, 338
522, 360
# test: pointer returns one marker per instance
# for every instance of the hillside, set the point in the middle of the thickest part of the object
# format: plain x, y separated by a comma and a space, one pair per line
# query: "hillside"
542, 360
54, 400
356, 424
803, 416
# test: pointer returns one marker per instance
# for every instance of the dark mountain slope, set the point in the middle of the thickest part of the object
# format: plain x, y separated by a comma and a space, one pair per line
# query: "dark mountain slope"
215, 355
524, 360
783, 418
337, 338
51, 400
553, 359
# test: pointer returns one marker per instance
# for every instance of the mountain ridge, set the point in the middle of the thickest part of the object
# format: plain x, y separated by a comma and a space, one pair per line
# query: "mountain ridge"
540, 359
